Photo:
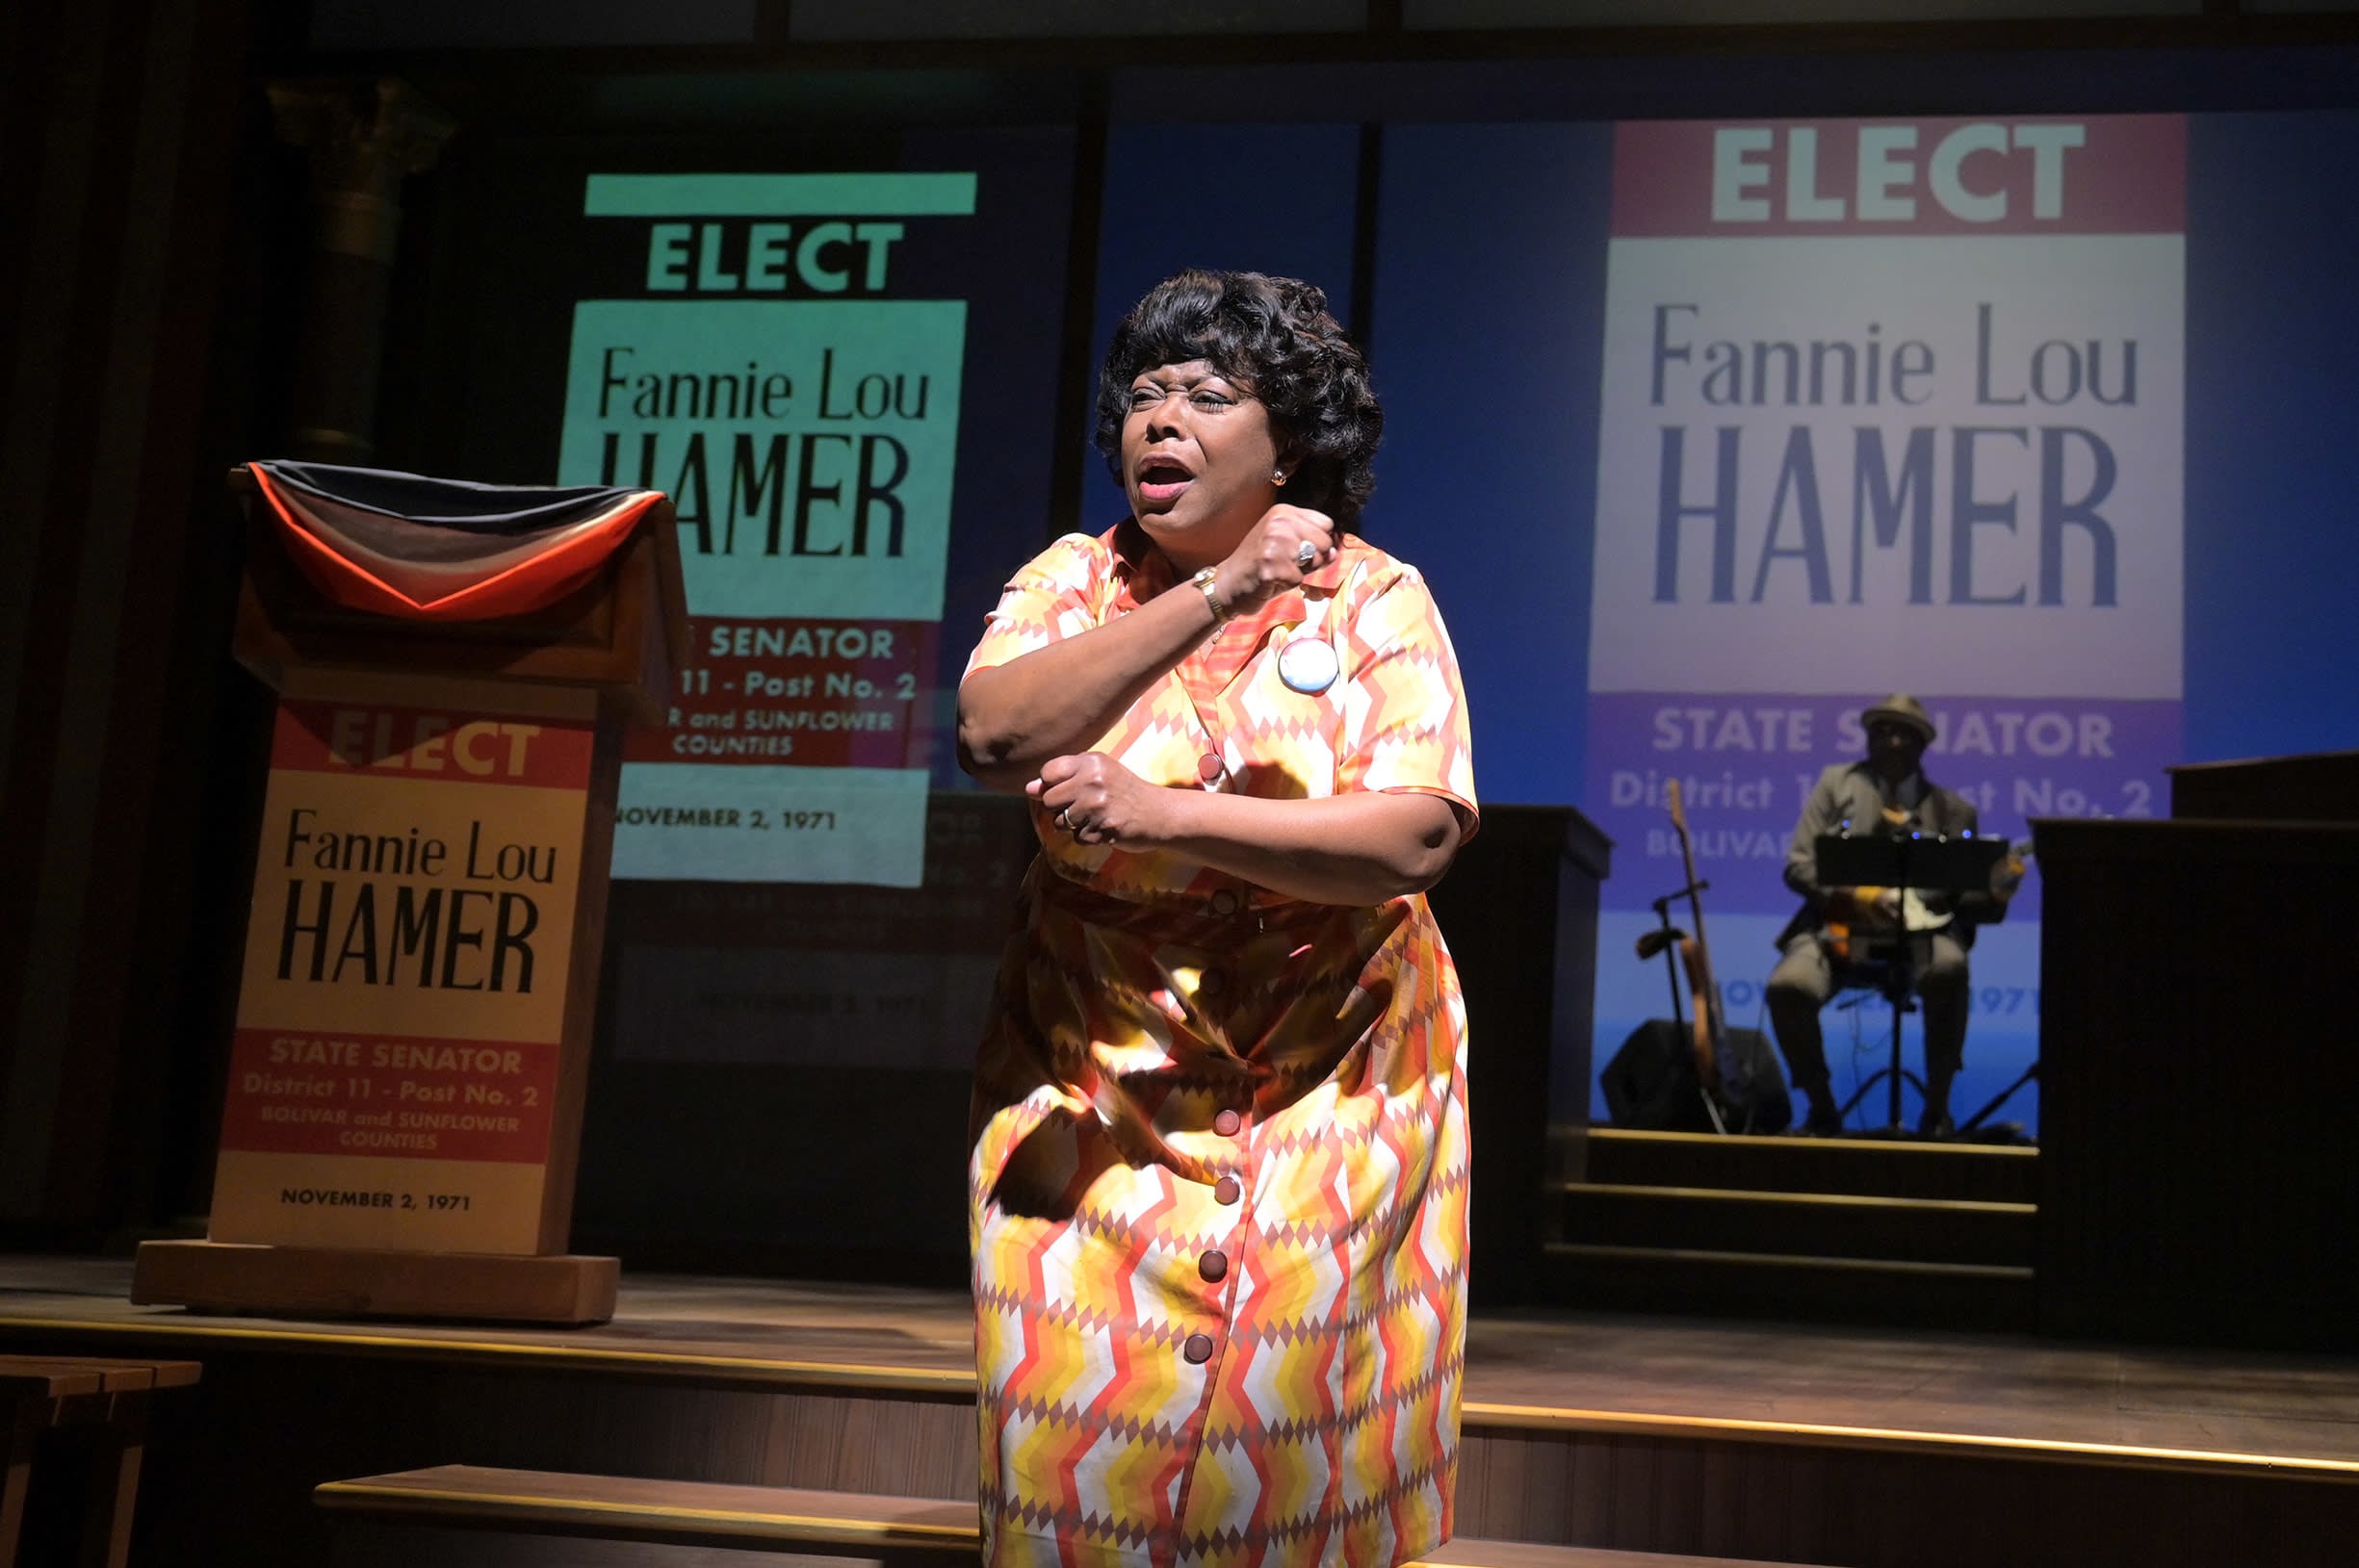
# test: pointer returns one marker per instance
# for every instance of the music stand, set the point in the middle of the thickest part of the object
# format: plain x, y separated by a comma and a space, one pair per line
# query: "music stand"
1902, 861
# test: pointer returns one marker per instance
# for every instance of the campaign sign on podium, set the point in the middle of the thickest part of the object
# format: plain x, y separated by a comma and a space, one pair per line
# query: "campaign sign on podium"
407, 1078
403, 1006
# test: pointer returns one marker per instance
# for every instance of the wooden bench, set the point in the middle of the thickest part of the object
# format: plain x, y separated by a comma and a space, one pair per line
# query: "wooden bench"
897, 1531
103, 1401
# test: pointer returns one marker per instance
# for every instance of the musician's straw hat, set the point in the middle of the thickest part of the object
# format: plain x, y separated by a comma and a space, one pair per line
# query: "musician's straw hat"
1901, 708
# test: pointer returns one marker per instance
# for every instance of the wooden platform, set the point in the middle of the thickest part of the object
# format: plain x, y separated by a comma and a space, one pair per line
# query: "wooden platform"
1937, 1235
430, 1510
1749, 1442
216, 1277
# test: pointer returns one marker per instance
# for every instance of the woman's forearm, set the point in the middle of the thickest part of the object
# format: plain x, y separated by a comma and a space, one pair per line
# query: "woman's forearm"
1059, 699
1355, 849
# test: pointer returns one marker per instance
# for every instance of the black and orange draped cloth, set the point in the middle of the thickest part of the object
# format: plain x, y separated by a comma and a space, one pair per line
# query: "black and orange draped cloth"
443, 550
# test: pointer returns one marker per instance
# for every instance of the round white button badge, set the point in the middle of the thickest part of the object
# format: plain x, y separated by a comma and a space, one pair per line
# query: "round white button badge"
1309, 665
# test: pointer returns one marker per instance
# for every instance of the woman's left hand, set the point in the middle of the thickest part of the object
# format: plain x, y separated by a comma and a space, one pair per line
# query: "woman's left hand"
1098, 801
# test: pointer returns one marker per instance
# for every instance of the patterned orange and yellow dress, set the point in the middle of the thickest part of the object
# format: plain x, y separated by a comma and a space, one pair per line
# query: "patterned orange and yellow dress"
1218, 1182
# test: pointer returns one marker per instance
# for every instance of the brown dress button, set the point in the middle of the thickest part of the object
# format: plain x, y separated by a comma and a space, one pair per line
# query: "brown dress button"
1227, 1123
1225, 901
1213, 1265
1226, 1191
1198, 1348
1209, 766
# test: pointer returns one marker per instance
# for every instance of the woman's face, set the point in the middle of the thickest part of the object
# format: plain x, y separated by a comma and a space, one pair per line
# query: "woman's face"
1198, 460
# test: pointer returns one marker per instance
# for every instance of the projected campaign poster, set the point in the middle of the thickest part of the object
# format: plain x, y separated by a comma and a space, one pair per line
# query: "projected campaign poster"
762, 371
1886, 406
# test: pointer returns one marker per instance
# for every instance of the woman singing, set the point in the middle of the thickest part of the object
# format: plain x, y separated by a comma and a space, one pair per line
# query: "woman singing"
1218, 1199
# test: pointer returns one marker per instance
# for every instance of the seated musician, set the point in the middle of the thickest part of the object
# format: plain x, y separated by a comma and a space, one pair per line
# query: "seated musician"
1886, 791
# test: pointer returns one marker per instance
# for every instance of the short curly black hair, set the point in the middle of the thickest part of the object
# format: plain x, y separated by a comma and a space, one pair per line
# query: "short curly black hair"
1275, 336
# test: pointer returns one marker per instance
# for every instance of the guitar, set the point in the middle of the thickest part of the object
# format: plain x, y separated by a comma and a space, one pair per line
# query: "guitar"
1849, 938
1708, 1026
1849, 932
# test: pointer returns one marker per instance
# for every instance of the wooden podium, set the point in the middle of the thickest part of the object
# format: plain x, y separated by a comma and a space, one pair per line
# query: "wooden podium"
424, 946
2197, 1062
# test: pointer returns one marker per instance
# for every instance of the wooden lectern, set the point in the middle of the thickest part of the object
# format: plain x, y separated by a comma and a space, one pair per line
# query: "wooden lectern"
2200, 1061
423, 945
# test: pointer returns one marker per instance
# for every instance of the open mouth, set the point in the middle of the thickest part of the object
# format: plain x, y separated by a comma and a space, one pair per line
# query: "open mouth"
1163, 478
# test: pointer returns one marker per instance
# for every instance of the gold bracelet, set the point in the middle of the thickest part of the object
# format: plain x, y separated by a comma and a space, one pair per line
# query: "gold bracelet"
1208, 580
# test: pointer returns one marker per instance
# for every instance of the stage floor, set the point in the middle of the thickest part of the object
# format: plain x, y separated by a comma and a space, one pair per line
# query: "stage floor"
1839, 1385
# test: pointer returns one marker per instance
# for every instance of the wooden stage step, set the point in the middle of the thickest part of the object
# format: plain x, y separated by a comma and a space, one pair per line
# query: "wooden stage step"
892, 1529
1818, 1229
762, 1518
1861, 1167
1802, 1286
1746, 1441
1820, 1224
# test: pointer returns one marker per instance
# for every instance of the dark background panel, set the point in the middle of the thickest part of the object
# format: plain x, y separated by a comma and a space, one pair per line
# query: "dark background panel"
1276, 198
2272, 434
1488, 331
476, 364
496, 254
1010, 266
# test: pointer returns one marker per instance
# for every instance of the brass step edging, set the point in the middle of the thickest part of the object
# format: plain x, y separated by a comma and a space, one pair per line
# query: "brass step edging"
517, 1507
1806, 1145
1856, 1200
960, 1384
1970, 1445
751, 1368
1603, 1252
526, 1509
